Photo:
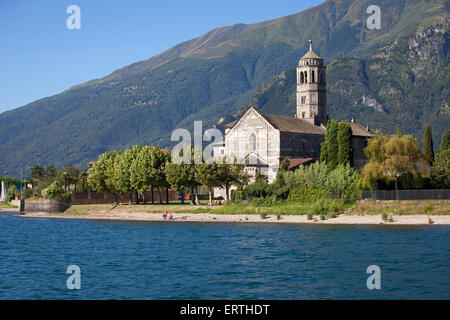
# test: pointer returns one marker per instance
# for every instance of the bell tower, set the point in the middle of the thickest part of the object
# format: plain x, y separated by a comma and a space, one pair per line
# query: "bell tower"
311, 88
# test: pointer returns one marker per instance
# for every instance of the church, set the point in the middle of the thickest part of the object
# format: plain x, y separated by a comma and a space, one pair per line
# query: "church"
262, 141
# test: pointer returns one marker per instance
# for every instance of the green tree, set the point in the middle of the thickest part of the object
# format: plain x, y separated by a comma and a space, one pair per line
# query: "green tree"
396, 158
445, 141
68, 176
140, 170
159, 158
344, 139
179, 177
208, 175
331, 144
101, 175
232, 174
440, 171
37, 172
182, 177
123, 170
50, 173
428, 151
323, 152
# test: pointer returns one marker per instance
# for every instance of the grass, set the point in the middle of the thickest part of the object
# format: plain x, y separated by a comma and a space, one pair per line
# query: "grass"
332, 207
6, 205
148, 208
327, 208
430, 207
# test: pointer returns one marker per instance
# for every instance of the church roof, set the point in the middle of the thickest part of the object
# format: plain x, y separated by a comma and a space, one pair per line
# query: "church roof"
285, 124
294, 163
293, 124
230, 125
359, 130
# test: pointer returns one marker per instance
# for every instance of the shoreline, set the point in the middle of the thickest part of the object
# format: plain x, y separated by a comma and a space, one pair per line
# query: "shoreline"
9, 209
343, 219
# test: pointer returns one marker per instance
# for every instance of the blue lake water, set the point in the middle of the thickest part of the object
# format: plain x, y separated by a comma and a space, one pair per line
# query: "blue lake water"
140, 260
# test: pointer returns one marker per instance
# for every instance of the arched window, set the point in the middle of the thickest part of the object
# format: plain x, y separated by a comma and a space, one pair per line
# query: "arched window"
312, 76
252, 142
306, 77
302, 80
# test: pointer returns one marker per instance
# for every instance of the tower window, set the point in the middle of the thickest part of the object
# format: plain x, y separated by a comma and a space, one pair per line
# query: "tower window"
302, 79
303, 99
312, 76
306, 77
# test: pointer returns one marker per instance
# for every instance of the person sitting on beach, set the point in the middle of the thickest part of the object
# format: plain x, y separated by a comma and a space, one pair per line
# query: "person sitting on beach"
165, 215
170, 217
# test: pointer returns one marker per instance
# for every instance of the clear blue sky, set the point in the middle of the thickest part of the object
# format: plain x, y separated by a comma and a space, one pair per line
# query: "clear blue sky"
40, 57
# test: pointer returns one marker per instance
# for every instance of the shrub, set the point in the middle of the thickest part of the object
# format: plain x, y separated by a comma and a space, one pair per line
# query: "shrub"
322, 217
321, 207
265, 202
343, 182
278, 216
236, 196
384, 216
55, 191
10, 193
309, 216
27, 193
263, 215
332, 215
301, 194
258, 190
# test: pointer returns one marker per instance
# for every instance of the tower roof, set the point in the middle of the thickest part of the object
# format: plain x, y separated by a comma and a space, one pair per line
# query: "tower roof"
311, 54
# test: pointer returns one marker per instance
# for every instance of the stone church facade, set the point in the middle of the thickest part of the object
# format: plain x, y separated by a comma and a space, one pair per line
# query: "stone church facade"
262, 141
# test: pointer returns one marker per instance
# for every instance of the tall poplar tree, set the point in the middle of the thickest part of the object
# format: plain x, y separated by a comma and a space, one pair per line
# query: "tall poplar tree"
344, 139
331, 144
428, 145
445, 141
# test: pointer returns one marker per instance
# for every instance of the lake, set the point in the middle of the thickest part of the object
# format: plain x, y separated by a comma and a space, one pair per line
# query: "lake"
144, 260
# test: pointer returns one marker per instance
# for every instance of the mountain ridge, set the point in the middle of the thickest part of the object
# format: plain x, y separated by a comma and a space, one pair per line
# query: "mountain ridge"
204, 78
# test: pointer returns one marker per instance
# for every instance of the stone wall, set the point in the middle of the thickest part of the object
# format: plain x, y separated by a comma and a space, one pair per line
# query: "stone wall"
103, 198
47, 206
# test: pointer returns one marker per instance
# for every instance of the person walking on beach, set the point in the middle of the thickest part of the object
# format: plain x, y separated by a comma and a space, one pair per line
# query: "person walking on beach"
165, 215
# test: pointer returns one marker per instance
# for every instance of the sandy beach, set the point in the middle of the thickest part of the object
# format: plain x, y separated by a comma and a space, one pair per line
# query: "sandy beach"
236, 218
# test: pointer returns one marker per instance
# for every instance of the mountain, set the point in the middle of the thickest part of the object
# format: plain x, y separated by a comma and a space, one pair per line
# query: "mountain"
403, 85
205, 79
